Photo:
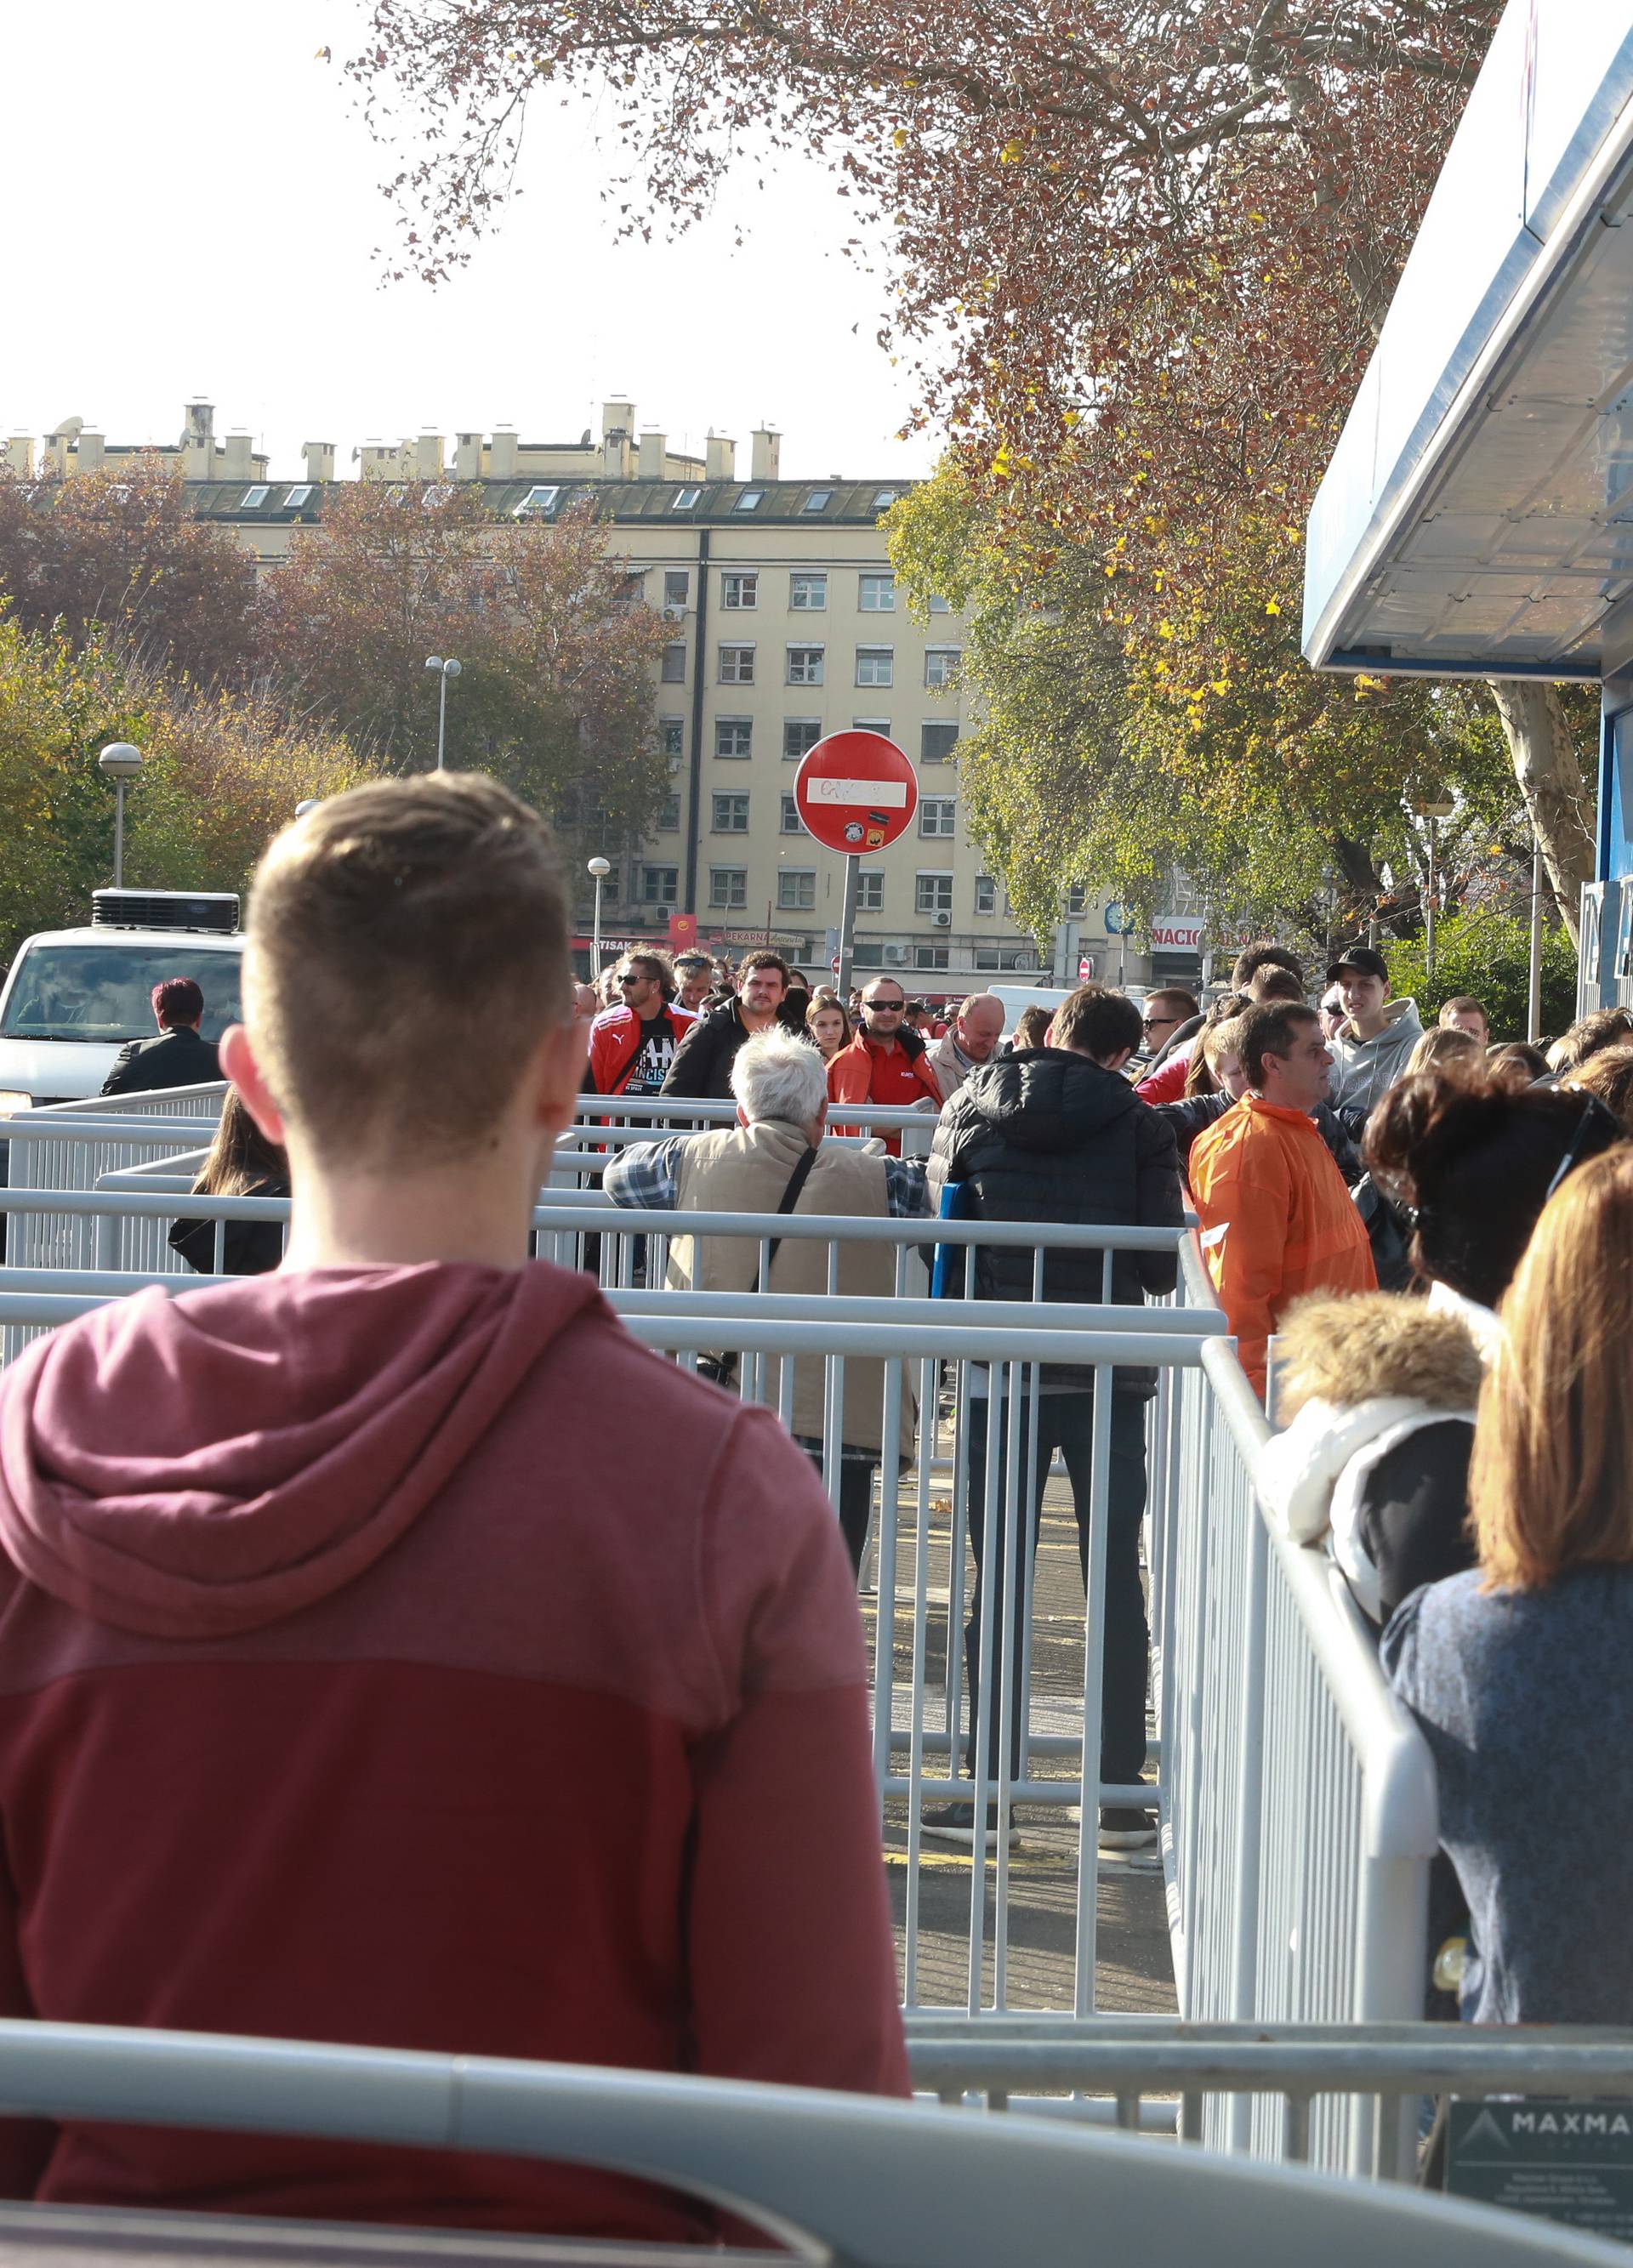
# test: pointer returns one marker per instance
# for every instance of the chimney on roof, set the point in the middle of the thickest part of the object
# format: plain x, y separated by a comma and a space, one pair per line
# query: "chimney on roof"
617, 428
237, 461
766, 454
467, 456
428, 457
19, 454
198, 448
719, 457
654, 449
90, 451
320, 456
502, 454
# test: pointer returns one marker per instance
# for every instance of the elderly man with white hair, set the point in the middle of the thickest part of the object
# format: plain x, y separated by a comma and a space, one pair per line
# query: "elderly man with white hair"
775, 1160
972, 1038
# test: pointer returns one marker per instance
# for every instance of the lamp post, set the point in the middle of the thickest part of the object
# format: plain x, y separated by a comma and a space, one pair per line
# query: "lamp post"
121, 761
600, 868
445, 670
1433, 811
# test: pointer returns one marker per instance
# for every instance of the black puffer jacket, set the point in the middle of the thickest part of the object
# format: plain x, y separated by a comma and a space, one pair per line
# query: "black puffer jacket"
1049, 1135
703, 1061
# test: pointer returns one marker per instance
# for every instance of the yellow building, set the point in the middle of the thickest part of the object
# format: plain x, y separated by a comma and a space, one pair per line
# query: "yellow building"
787, 626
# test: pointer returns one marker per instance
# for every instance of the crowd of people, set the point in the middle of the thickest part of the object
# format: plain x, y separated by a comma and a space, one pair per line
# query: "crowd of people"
398, 1653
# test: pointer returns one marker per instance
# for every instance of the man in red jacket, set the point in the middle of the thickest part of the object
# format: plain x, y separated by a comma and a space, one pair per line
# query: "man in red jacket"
366, 1674
632, 1046
886, 1061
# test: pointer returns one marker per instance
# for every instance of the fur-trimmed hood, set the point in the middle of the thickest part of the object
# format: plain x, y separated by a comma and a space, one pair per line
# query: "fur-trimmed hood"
1372, 1346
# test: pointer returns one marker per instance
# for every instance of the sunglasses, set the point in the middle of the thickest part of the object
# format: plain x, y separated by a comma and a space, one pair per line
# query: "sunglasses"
889, 1007
1150, 1023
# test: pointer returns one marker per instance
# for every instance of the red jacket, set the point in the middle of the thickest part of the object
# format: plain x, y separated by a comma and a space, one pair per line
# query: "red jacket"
617, 1038
864, 1072
367, 1673
1277, 1220
1166, 1083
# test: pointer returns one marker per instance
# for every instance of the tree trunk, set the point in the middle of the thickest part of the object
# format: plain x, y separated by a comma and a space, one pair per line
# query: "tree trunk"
1559, 802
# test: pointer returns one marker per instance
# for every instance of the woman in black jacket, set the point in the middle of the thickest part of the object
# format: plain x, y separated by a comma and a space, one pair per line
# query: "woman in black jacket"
241, 1163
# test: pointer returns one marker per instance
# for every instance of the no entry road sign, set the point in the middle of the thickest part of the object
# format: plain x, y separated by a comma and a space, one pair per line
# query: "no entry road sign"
856, 791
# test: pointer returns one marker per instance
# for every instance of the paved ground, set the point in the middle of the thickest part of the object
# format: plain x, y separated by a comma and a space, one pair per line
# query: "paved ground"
1132, 1967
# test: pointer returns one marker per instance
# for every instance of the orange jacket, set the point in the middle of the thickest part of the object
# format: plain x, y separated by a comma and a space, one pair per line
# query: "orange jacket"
851, 1075
1277, 1220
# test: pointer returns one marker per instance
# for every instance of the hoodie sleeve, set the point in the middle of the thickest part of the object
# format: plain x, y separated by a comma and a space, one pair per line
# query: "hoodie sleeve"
792, 1959
696, 1061
26, 2144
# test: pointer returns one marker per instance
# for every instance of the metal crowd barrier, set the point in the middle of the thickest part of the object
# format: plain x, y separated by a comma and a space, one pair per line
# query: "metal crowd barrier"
833, 2178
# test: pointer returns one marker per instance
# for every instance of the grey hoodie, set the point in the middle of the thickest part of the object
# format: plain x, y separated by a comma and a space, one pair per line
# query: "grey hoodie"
1366, 1069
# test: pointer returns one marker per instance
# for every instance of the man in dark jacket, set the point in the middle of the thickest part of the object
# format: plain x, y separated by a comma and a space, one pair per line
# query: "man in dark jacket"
703, 1062
179, 1056
1057, 1134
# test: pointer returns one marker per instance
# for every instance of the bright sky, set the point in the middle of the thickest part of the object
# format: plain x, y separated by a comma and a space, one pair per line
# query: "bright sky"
194, 208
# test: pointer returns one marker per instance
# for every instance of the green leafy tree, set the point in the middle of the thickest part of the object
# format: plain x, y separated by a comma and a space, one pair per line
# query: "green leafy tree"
1487, 954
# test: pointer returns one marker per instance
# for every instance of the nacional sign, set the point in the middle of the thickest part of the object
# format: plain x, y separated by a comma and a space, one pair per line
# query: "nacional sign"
856, 791
1176, 932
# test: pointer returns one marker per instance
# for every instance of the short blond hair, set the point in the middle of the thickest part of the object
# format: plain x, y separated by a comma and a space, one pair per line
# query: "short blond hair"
393, 924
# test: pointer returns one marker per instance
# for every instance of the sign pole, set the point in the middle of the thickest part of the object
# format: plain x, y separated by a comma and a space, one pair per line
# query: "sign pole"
847, 923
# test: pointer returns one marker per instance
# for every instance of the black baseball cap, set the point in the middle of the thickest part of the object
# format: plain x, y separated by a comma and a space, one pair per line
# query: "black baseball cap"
1360, 960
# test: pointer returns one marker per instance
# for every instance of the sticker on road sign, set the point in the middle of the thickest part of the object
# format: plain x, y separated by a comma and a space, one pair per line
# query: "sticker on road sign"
892, 793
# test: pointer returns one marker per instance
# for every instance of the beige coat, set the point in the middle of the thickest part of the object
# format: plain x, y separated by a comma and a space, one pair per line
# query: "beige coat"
949, 1070
746, 1169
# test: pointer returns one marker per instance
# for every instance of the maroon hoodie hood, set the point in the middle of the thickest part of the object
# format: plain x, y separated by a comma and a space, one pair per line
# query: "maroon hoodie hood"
191, 1468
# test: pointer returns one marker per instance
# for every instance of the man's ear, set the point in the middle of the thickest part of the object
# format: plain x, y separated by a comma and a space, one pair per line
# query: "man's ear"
1116, 1062
239, 1063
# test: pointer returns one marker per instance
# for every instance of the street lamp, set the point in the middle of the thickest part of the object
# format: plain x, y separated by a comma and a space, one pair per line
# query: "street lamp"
1434, 810
445, 670
600, 868
121, 761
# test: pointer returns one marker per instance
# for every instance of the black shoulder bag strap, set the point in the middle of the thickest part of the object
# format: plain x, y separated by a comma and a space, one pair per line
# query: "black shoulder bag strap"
723, 1368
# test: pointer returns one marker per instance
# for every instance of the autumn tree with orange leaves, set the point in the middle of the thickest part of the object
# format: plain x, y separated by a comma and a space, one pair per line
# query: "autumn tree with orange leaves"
1139, 254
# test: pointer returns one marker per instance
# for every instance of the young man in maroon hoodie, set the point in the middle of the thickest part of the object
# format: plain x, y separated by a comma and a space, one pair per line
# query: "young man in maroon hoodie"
367, 1674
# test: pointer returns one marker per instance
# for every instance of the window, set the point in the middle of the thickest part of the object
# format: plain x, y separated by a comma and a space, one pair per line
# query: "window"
1077, 897
685, 499
796, 888
541, 500
807, 594
883, 499
940, 607
609, 886
669, 815
986, 955
930, 956
737, 665
728, 885
871, 725
672, 738
660, 885
750, 500
293, 498
396, 496
790, 824
731, 814
986, 896
937, 814
739, 592
677, 587
818, 500
674, 669
936, 743
870, 889
875, 665
800, 736
876, 594
733, 736
253, 499
436, 496
805, 665
867, 955
932, 894
941, 666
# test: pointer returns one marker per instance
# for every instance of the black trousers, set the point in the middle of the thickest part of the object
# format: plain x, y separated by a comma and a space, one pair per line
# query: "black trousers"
1065, 1421
856, 1474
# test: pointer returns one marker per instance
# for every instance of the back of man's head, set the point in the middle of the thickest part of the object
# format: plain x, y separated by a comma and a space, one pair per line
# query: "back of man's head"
1092, 1021
1176, 1000
1271, 1030
177, 1000
1263, 953
388, 926
777, 1075
1276, 983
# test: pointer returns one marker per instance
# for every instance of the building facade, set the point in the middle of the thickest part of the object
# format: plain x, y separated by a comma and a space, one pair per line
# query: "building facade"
787, 625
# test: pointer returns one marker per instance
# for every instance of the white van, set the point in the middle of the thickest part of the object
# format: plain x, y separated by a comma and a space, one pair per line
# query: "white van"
75, 997
1046, 997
